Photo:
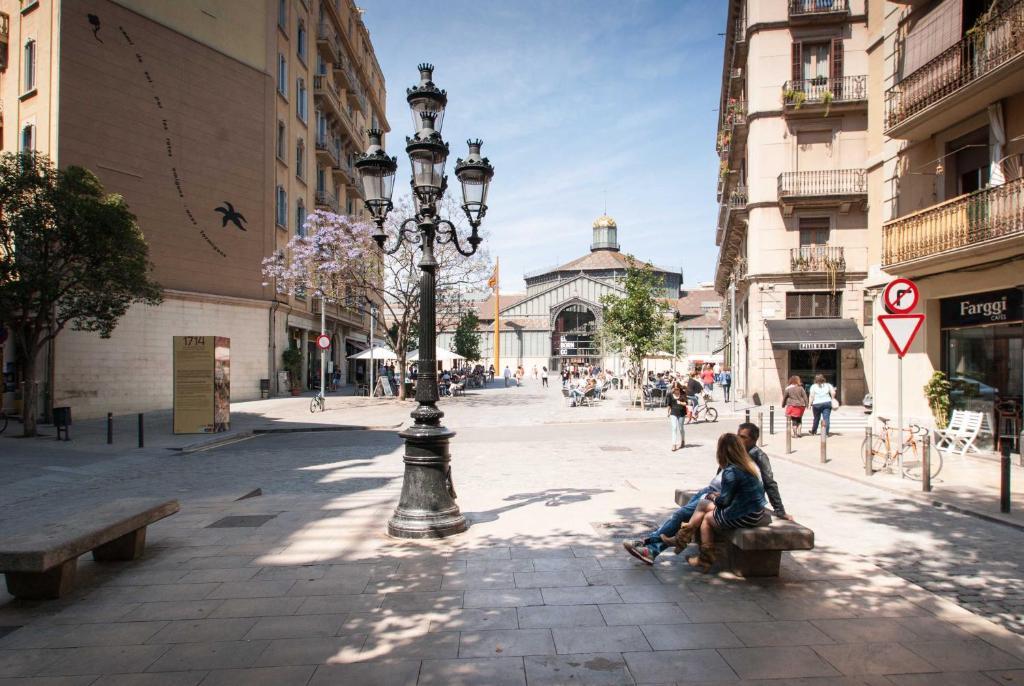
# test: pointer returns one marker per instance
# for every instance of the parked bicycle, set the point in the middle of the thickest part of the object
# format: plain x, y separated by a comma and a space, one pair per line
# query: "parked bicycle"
703, 412
891, 447
317, 404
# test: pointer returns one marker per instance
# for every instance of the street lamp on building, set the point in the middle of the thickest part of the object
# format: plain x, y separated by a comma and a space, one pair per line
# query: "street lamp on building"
427, 506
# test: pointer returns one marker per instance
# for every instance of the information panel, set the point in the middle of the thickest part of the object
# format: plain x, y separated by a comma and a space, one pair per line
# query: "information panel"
202, 384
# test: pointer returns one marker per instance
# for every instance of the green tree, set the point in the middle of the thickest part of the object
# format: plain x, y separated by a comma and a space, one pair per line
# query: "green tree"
635, 321
70, 255
467, 338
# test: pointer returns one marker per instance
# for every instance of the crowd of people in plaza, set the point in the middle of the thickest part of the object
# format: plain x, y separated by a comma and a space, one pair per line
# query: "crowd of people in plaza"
737, 497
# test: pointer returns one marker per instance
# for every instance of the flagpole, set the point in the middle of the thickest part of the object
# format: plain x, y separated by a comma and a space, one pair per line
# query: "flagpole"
497, 324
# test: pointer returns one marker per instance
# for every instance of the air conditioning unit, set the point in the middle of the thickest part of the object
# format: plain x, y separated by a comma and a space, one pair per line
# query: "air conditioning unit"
5, 32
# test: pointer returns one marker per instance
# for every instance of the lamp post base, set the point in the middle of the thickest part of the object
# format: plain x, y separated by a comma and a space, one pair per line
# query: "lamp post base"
426, 508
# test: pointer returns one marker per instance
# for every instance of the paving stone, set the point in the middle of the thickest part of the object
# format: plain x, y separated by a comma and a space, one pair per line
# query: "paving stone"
476, 580
405, 584
101, 660
861, 630
533, 553
873, 658
394, 623
296, 573
506, 643
586, 595
504, 598
261, 676
949, 679
517, 565
328, 586
643, 613
475, 619
791, 633
568, 577
23, 663
155, 593
503, 671
442, 644
252, 589
689, 636
808, 609
442, 600
549, 616
226, 655
204, 576
376, 673
656, 594
963, 656
602, 639
296, 626
734, 611
257, 607
203, 630
593, 669
622, 577
125, 633
932, 629
678, 666
151, 679
785, 662
309, 651
556, 564
337, 604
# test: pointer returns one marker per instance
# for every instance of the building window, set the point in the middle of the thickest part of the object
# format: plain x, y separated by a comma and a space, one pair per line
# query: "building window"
28, 67
300, 159
300, 38
282, 75
300, 95
321, 179
300, 217
282, 207
281, 141
814, 231
812, 305
28, 138
282, 14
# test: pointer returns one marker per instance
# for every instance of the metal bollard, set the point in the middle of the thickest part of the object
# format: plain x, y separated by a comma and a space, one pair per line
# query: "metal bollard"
789, 439
771, 420
1004, 478
142, 432
747, 414
110, 428
868, 471
824, 447
926, 463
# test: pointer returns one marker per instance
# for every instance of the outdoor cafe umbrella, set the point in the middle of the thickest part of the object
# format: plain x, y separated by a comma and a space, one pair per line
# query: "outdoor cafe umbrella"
443, 355
377, 352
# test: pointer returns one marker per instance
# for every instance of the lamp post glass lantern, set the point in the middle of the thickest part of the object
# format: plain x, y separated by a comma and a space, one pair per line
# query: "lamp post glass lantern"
427, 506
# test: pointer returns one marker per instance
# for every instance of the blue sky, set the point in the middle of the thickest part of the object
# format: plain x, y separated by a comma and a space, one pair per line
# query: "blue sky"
572, 99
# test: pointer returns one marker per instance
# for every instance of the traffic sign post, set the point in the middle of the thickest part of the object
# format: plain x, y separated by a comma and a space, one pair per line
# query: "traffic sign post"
900, 326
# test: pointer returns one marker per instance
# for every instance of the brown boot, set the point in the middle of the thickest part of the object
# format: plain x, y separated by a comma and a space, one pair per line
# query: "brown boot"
681, 539
705, 560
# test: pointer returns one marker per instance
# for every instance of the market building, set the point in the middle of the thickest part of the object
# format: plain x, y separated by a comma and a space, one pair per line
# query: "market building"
223, 124
947, 200
557, 321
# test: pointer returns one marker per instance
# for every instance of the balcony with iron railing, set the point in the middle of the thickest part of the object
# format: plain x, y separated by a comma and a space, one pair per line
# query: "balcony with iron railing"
822, 95
823, 188
982, 221
327, 42
986, 65
325, 91
807, 11
328, 149
326, 200
817, 258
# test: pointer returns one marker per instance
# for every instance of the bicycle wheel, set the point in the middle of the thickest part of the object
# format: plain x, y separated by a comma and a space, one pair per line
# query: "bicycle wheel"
913, 465
879, 452
711, 415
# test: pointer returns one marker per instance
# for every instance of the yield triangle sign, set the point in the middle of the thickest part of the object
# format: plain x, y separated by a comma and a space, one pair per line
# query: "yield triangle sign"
901, 329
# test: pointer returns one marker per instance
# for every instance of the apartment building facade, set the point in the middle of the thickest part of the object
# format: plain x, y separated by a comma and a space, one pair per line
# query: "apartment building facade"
947, 197
222, 124
793, 223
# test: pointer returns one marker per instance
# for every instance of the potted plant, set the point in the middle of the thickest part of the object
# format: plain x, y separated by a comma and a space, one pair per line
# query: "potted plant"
826, 99
292, 362
937, 392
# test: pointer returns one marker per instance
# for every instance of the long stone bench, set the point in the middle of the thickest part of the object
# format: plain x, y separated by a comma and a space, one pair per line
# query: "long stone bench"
40, 563
758, 551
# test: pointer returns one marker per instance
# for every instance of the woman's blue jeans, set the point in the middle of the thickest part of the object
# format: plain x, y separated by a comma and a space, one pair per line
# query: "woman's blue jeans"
672, 524
822, 413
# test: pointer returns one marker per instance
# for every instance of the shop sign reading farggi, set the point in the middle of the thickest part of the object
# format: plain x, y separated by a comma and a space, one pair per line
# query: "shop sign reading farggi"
979, 309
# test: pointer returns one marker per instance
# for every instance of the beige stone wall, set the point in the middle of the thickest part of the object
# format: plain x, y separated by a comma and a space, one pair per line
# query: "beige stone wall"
132, 370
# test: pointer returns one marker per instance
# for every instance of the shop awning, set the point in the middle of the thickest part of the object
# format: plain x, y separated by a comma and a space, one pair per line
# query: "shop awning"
814, 334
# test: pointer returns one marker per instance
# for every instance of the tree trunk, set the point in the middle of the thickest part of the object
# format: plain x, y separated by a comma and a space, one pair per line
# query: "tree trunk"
29, 393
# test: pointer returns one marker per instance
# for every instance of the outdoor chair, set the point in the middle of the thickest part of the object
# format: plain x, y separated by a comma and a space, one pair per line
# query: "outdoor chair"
962, 441
457, 389
945, 436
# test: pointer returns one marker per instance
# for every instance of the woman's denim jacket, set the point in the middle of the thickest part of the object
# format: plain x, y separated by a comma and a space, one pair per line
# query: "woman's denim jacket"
742, 493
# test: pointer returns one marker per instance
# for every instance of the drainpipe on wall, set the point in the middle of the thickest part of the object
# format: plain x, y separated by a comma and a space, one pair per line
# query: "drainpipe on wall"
272, 362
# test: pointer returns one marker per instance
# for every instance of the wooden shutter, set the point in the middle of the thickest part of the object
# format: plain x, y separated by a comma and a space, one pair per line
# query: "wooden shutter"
836, 63
797, 72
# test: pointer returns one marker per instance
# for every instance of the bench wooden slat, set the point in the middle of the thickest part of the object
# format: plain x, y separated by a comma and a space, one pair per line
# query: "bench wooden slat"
54, 543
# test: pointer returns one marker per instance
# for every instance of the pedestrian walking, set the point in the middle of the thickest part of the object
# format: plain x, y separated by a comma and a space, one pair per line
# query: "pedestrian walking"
519, 375
726, 382
535, 372
544, 377
794, 399
508, 375
708, 378
678, 411
822, 398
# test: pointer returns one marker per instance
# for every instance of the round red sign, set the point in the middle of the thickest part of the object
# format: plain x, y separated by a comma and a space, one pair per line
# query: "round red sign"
900, 296
323, 341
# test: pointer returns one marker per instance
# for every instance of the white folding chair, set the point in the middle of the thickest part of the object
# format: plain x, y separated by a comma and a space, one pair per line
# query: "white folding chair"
945, 436
963, 440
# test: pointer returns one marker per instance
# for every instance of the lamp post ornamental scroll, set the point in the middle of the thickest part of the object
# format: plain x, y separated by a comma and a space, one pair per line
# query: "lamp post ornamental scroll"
427, 506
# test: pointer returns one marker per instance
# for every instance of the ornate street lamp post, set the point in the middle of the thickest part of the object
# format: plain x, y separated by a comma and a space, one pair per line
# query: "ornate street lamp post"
427, 506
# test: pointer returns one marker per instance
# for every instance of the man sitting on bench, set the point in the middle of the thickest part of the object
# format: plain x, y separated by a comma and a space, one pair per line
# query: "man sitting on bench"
647, 549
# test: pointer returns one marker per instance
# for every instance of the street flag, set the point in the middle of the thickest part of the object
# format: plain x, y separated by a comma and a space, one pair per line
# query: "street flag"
493, 281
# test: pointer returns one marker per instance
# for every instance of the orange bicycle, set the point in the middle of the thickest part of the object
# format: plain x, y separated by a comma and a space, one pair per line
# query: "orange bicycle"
888, 447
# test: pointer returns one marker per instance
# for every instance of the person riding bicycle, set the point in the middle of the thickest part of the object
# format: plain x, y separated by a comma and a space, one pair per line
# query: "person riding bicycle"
694, 388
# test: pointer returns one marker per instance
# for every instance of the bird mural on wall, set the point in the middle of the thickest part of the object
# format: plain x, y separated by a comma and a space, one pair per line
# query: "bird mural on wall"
230, 215
95, 21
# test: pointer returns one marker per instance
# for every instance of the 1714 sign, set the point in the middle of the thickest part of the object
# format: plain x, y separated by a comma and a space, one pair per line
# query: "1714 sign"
818, 346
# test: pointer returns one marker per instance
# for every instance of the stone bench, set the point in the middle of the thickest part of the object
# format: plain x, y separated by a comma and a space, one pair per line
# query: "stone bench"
758, 551
40, 563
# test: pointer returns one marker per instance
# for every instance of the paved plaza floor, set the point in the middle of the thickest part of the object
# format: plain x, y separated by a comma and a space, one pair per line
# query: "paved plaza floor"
538, 591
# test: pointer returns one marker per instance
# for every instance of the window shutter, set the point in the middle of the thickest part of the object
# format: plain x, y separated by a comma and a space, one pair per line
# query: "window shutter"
797, 71
837, 60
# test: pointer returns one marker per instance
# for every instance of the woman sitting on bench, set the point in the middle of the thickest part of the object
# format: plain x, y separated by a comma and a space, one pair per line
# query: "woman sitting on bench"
740, 505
